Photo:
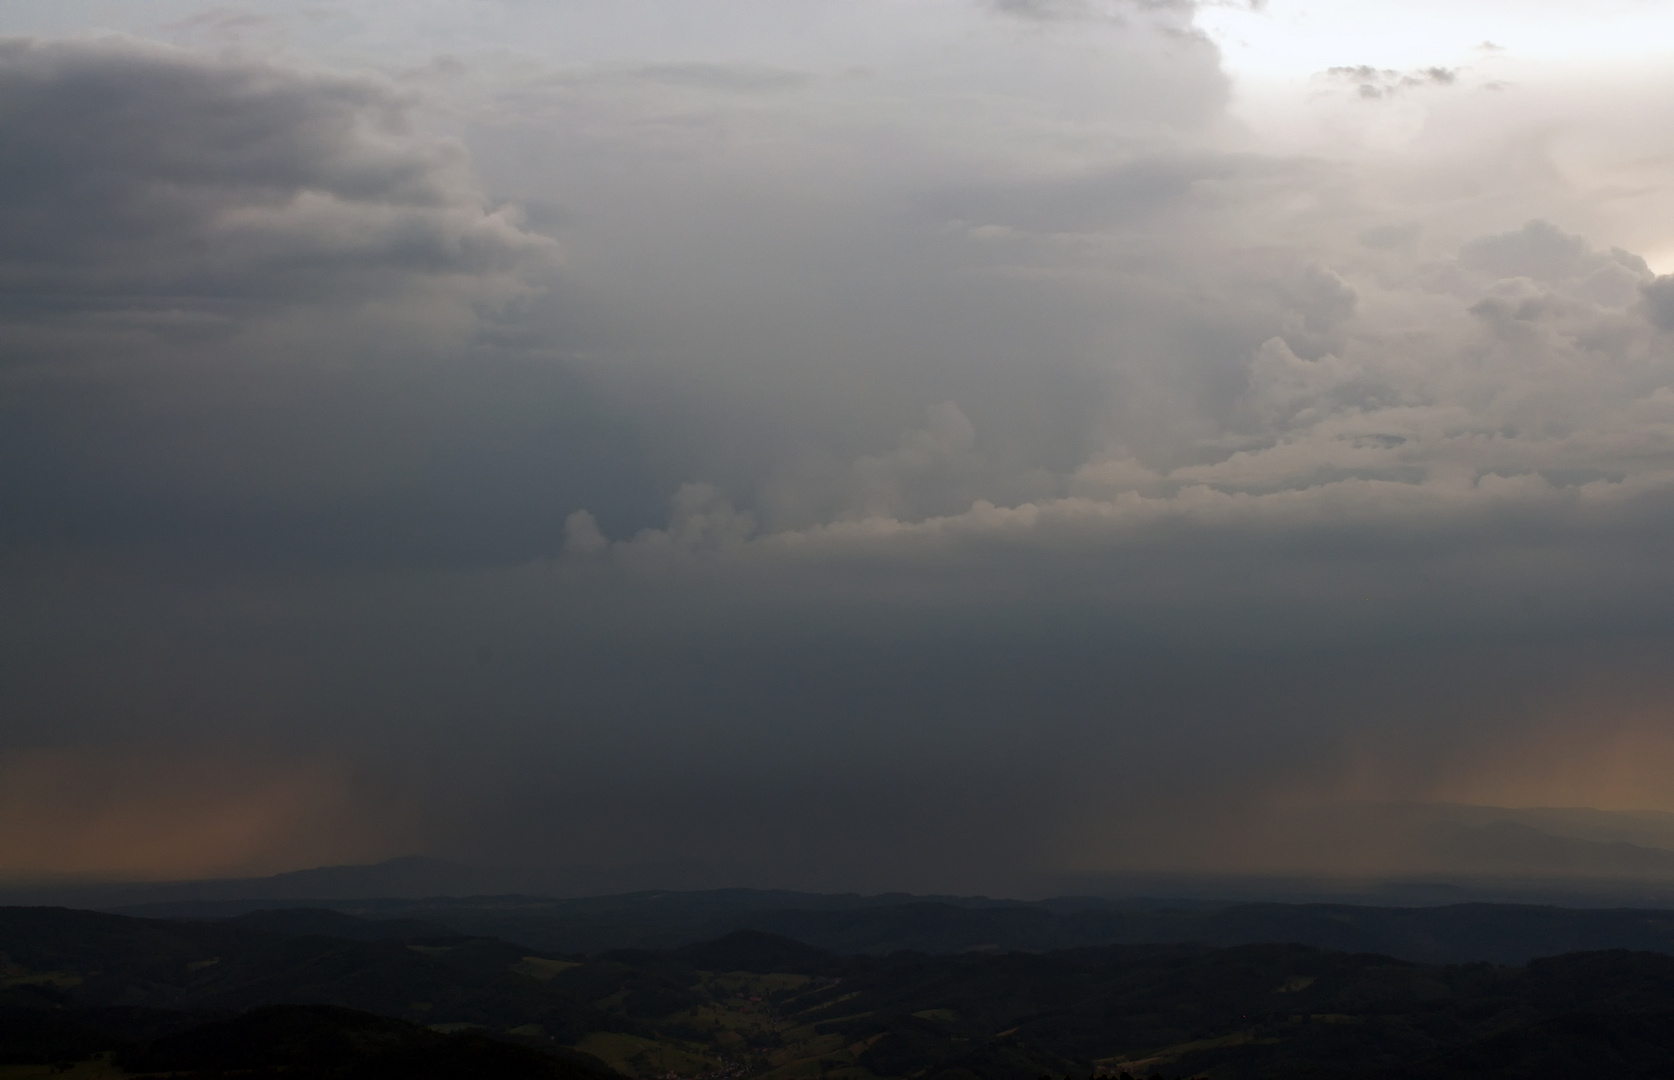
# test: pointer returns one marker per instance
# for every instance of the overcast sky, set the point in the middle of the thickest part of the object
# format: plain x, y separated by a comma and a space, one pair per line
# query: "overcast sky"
853, 444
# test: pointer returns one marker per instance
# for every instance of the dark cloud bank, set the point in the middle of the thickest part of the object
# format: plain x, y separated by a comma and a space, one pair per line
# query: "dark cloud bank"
936, 528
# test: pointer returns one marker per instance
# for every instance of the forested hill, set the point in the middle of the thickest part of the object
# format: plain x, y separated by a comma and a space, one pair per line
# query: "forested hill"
136, 996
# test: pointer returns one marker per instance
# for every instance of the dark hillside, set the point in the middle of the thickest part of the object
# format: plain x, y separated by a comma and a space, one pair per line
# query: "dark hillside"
316, 1042
324, 922
752, 950
40, 1025
195, 997
1457, 933
217, 966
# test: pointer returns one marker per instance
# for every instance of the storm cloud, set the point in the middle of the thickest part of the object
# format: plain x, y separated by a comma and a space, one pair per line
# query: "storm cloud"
943, 446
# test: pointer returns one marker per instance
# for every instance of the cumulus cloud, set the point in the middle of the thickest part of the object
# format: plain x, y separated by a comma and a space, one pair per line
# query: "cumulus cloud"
1371, 82
157, 177
1525, 375
1659, 302
201, 256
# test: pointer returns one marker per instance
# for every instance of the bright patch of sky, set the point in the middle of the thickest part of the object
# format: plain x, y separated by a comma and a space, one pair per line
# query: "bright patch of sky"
1292, 39
1431, 82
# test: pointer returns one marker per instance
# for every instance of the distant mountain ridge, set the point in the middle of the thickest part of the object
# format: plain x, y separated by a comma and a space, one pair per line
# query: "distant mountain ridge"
1437, 852
1460, 933
1501, 933
406, 876
412, 877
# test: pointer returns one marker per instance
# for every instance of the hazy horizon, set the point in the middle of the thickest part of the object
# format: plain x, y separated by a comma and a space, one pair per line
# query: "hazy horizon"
1411, 853
850, 445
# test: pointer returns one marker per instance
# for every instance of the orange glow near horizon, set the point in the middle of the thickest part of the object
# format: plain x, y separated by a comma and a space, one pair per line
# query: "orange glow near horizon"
152, 815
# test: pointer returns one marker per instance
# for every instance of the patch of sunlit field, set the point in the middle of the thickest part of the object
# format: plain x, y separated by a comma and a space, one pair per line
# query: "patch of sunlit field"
827, 1056
759, 1015
1168, 1055
741, 1005
751, 1023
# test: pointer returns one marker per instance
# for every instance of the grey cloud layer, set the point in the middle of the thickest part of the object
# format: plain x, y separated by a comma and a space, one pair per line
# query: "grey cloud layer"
1527, 380
937, 449
252, 309
148, 174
